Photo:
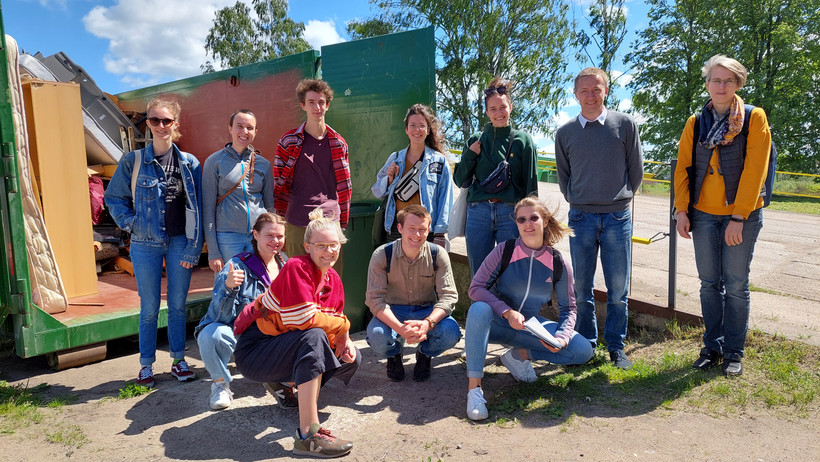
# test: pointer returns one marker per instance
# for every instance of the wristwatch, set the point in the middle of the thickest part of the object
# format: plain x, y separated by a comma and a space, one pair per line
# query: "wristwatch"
737, 220
430, 320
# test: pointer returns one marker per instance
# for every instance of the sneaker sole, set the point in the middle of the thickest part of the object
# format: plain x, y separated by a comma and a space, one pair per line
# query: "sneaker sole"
279, 401
183, 378
305, 452
146, 385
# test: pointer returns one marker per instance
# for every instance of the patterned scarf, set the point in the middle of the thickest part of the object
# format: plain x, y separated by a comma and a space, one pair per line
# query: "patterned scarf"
721, 131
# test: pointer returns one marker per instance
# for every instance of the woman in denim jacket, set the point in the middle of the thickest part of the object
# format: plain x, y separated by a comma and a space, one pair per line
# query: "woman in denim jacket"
160, 207
435, 191
245, 277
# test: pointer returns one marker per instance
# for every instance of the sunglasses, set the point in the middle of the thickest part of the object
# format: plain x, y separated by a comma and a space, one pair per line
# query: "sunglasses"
522, 220
501, 90
155, 121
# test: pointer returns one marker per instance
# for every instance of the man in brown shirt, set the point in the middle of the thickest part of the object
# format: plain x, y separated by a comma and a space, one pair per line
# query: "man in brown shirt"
411, 293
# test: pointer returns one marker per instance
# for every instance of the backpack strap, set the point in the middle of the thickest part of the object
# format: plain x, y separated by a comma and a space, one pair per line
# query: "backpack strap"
506, 256
434, 256
388, 253
135, 172
557, 266
255, 264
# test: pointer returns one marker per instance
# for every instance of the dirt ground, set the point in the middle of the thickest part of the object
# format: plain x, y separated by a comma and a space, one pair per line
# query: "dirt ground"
412, 421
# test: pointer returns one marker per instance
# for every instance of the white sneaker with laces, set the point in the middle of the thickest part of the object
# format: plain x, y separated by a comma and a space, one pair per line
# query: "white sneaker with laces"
221, 395
521, 370
476, 404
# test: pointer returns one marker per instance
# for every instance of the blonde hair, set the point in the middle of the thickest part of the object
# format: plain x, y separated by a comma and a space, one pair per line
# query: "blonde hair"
319, 222
171, 105
553, 229
592, 71
730, 64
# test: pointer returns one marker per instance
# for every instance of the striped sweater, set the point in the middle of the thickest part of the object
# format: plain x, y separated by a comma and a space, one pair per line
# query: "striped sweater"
288, 151
293, 302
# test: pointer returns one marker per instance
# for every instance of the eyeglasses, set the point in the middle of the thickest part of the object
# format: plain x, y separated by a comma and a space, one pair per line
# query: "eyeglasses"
727, 82
155, 121
501, 90
322, 246
421, 127
522, 220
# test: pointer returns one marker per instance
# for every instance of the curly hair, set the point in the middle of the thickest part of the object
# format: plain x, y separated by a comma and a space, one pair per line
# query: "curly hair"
317, 85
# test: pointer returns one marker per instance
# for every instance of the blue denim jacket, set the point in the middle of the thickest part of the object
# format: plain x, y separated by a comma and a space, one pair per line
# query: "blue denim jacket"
143, 216
435, 187
226, 304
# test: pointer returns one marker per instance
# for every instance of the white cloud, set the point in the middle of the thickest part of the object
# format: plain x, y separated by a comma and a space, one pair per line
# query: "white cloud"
621, 78
154, 40
625, 105
318, 33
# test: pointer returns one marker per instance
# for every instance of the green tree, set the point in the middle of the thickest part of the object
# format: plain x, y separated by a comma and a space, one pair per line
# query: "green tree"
523, 40
775, 39
241, 35
369, 28
607, 24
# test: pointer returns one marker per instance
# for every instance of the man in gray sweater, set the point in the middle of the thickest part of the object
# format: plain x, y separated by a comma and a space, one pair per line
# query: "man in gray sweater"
600, 166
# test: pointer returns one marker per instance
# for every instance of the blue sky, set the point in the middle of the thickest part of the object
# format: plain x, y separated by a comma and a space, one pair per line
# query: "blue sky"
118, 41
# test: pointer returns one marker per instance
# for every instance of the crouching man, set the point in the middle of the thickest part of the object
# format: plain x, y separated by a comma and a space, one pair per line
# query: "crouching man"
411, 293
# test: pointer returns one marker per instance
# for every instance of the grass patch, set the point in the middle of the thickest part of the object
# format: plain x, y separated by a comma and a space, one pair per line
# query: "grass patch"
653, 188
132, 390
756, 288
68, 435
780, 376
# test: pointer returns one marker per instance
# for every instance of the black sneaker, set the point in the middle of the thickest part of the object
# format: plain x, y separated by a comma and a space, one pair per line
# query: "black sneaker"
732, 365
619, 358
285, 395
707, 359
422, 370
395, 368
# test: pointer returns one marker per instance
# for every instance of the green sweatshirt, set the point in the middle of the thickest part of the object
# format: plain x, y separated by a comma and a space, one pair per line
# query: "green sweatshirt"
494, 144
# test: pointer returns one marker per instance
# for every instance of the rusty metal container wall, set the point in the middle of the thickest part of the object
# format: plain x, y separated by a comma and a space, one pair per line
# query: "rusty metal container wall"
267, 88
374, 82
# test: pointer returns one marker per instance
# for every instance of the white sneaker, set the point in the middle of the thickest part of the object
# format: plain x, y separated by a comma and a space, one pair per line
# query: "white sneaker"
476, 404
521, 370
221, 396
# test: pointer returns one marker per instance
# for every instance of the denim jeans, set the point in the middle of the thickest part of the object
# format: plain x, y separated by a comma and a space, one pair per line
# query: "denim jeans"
488, 224
386, 342
484, 327
231, 244
147, 261
724, 279
611, 233
216, 345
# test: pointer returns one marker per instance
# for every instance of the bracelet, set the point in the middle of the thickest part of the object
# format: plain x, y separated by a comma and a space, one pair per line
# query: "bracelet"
430, 320
736, 220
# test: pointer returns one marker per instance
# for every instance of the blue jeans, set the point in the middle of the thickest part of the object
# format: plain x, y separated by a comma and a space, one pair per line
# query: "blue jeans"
724, 279
231, 244
147, 261
611, 233
484, 327
216, 345
386, 342
488, 224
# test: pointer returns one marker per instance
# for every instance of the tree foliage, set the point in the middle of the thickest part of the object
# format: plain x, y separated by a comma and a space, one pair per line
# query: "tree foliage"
777, 40
607, 23
369, 28
241, 35
523, 40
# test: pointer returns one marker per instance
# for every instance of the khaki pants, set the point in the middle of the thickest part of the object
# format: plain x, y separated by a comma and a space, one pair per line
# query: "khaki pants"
294, 239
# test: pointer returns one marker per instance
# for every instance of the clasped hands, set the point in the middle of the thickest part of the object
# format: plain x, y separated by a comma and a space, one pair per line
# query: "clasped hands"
414, 331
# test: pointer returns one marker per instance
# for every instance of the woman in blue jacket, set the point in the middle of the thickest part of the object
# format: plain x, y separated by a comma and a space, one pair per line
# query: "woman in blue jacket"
432, 185
505, 301
155, 195
245, 277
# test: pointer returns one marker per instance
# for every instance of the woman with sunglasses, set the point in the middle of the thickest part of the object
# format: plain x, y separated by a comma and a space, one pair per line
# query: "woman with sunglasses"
237, 186
301, 337
727, 185
160, 207
492, 192
431, 184
503, 302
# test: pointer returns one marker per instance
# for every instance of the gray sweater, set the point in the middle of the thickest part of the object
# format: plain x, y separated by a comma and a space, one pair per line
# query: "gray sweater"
239, 211
599, 166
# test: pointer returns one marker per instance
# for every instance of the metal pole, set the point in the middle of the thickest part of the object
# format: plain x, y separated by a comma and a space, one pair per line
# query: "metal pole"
673, 243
